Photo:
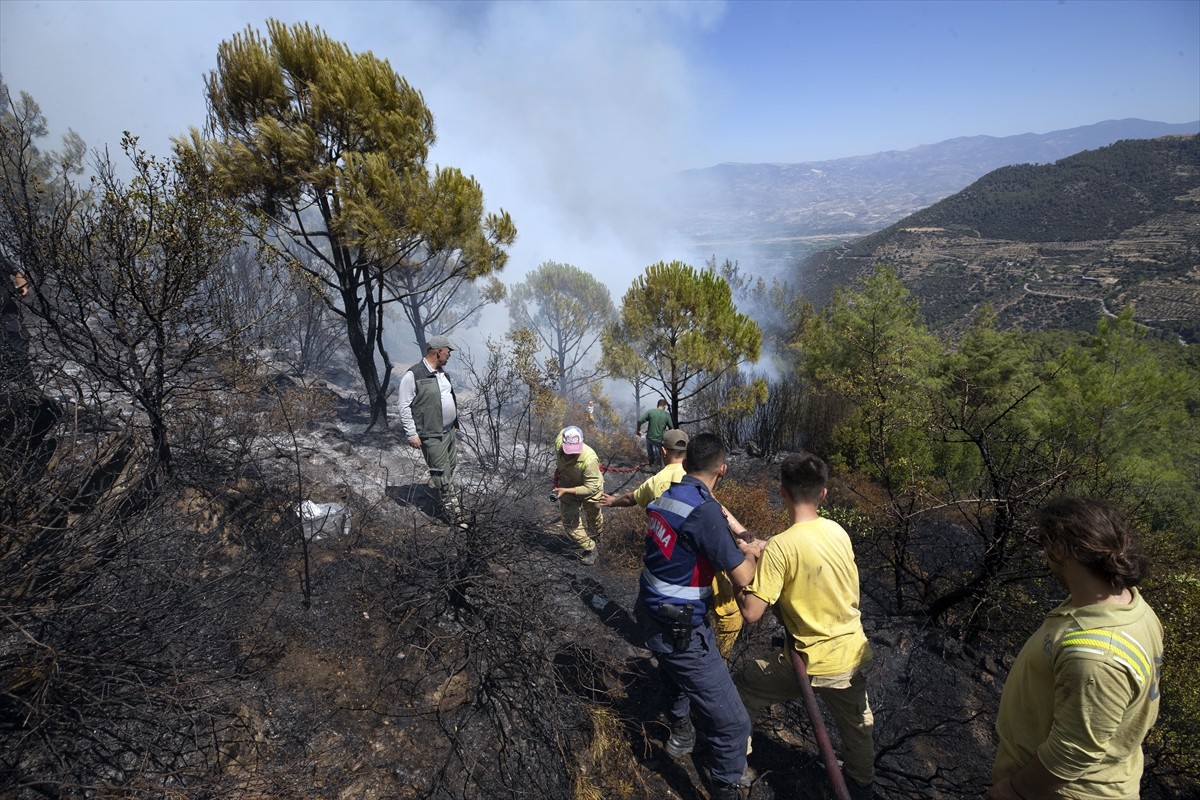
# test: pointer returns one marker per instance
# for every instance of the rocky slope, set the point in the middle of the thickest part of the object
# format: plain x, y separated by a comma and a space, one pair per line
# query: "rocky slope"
1051, 246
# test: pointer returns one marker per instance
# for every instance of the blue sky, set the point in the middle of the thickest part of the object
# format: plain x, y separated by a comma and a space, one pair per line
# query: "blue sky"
823, 80
564, 111
742, 81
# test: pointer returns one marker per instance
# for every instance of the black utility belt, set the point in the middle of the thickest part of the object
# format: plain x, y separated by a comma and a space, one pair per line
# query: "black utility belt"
677, 619
674, 614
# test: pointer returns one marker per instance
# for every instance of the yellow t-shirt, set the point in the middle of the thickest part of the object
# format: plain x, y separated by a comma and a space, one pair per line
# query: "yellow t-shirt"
1082, 694
658, 483
808, 573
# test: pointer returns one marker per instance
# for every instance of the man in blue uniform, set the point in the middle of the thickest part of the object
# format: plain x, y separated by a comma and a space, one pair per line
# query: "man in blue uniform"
688, 538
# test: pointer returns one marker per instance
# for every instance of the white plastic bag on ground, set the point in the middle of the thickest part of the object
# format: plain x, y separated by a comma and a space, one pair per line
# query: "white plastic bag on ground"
323, 520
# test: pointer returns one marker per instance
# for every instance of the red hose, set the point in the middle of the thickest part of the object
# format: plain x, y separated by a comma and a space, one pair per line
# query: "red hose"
819, 733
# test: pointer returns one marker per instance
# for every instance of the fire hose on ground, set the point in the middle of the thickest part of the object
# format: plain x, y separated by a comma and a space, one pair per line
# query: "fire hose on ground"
818, 722
840, 791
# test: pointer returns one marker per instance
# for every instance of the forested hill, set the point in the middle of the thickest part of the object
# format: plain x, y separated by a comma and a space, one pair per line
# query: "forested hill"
1097, 194
1049, 246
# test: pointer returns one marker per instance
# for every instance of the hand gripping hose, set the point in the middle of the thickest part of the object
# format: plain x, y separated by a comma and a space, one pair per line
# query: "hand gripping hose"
818, 722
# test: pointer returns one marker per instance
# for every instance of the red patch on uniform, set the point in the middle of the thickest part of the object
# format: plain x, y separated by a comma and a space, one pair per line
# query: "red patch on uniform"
662, 533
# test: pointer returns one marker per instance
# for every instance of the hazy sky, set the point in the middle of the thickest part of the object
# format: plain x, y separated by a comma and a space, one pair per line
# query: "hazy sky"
564, 110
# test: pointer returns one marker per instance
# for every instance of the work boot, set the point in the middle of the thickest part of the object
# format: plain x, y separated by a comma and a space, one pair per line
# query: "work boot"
590, 557
749, 776
682, 739
856, 790
727, 791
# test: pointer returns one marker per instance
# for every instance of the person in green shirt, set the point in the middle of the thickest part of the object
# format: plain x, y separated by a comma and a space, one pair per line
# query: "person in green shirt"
1083, 692
656, 420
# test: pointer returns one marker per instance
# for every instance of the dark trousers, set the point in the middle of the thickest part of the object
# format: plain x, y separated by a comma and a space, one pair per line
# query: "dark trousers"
654, 452
699, 682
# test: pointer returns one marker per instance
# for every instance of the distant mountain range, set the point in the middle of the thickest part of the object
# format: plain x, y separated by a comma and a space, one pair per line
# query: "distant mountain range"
1048, 246
783, 211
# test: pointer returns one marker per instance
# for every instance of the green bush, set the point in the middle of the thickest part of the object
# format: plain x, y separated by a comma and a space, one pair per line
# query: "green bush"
1176, 600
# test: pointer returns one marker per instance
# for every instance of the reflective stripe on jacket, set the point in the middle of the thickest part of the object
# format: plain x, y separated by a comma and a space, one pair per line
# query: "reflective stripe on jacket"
675, 571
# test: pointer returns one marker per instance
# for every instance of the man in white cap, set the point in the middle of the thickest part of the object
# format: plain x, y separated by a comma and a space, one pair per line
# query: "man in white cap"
429, 414
578, 486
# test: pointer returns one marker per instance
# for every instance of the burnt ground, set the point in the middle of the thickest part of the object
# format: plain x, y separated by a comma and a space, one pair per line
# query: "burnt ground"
432, 662
409, 659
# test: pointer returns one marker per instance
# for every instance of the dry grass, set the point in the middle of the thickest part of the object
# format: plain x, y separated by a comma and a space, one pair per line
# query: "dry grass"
755, 506
611, 771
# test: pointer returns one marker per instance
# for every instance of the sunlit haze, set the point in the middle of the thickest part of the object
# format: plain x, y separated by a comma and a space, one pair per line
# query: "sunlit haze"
568, 112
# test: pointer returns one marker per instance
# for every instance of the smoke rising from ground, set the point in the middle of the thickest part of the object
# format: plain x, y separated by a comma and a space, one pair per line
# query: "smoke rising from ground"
572, 116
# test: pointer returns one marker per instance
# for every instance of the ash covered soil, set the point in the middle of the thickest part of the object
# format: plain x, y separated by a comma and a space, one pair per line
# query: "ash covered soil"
412, 659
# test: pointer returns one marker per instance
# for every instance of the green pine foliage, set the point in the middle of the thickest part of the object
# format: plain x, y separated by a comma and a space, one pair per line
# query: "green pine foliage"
331, 148
680, 331
567, 309
964, 440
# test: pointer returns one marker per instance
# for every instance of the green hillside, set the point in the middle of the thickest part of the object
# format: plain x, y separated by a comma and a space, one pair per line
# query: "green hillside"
1051, 246
1098, 194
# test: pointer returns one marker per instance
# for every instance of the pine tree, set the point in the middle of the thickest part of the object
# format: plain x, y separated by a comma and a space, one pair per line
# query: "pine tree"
680, 331
331, 148
568, 310
871, 346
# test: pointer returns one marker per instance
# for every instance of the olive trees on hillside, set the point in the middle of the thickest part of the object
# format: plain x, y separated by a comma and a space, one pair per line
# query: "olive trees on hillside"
330, 148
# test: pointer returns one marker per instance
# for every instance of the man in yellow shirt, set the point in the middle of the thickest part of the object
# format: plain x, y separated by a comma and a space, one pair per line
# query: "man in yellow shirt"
674, 447
1083, 692
808, 572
